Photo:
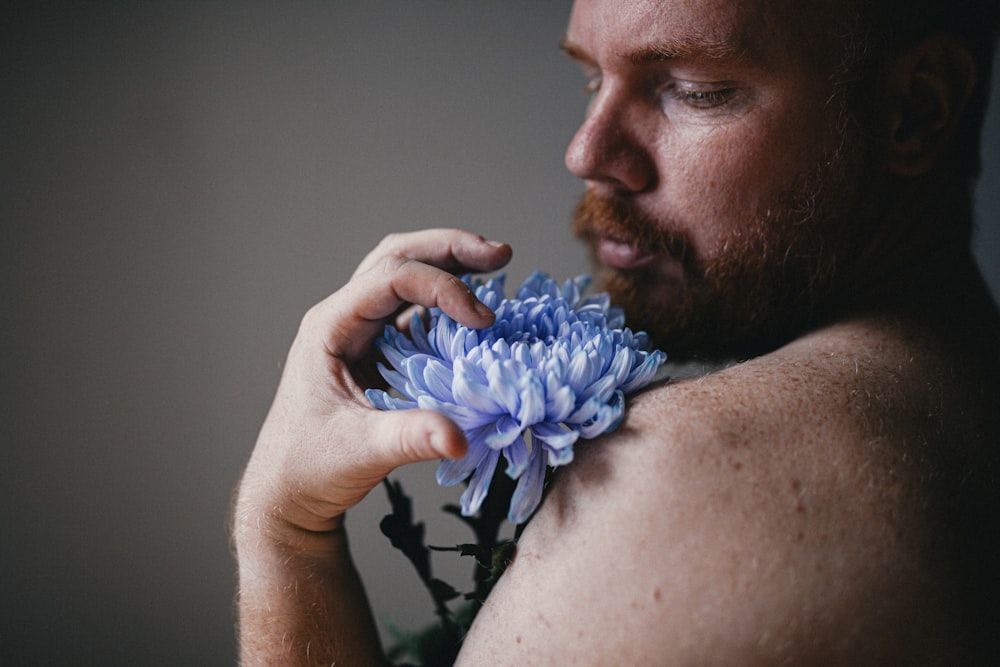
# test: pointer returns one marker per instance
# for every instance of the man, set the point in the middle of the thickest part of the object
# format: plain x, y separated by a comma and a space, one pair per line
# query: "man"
779, 182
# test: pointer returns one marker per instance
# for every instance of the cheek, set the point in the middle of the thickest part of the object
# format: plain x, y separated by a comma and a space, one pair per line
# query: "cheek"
714, 183
725, 178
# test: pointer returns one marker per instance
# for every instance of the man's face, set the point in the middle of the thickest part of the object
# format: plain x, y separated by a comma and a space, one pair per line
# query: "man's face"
724, 198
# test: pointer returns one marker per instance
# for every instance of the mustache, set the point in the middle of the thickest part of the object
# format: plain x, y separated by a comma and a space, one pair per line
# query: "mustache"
597, 217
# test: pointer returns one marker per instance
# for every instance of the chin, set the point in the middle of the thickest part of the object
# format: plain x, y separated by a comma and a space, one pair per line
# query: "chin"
687, 322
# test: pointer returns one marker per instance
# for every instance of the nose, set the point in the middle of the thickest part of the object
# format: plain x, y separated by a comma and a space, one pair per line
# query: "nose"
608, 149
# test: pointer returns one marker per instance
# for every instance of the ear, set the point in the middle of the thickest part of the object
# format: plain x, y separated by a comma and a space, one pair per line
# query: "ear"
933, 81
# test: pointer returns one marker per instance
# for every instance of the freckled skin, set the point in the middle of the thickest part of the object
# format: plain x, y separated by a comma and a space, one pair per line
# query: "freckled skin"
820, 549
830, 500
822, 503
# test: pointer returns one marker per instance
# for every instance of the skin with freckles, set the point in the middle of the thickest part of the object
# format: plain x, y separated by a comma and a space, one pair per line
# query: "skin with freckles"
725, 194
828, 497
806, 506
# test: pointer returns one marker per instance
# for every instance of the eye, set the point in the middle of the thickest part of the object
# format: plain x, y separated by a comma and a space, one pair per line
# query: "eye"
701, 96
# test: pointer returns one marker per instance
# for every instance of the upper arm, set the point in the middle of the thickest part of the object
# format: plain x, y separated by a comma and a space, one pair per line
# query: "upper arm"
732, 520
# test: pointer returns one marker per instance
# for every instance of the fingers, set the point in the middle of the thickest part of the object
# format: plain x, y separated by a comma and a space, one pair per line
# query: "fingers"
452, 250
310, 473
404, 319
323, 446
407, 269
399, 437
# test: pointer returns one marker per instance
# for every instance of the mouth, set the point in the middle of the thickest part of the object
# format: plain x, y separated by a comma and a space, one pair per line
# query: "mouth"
661, 273
622, 255
623, 239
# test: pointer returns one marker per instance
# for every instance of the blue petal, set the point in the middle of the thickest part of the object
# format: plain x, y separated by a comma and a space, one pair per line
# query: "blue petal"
418, 332
474, 494
453, 471
438, 378
582, 368
572, 289
596, 304
384, 401
522, 353
461, 341
518, 457
555, 436
469, 387
559, 457
528, 492
616, 373
532, 285
615, 318
502, 381
395, 379
608, 418
505, 432
392, 353
441, 336
466, 418
559, 403
585, 412
501, 348
532, 397
644, 372
622, 364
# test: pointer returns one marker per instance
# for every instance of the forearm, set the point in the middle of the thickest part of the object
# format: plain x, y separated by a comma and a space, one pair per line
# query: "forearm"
300, 600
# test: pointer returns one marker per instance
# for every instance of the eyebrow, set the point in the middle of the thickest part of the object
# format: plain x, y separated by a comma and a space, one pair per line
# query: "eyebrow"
675, 50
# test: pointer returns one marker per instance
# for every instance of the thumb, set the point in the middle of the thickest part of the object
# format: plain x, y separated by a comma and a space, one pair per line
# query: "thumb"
409, 436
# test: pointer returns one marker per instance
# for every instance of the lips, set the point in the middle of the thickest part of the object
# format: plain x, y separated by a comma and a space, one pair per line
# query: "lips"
622, 256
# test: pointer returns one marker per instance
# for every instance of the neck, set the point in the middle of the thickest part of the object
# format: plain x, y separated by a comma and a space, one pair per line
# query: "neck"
922, 244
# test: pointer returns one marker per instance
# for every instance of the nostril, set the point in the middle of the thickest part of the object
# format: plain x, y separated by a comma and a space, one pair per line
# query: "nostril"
609, 155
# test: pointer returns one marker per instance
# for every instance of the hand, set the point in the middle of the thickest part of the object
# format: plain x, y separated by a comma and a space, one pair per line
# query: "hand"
323, 447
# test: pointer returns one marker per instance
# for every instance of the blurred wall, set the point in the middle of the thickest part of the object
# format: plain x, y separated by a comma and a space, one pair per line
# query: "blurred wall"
181, 181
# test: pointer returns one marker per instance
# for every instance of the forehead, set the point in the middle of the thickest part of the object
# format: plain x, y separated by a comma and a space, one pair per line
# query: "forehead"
763, 31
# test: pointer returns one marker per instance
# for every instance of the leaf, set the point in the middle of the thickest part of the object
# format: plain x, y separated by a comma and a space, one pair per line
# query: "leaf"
482, 554
405, 535
408, 537
502, 556
442, 591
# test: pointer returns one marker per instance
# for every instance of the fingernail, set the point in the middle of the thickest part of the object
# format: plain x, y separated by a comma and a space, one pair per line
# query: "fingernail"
434, 440
482, 308
495, 244
438, 443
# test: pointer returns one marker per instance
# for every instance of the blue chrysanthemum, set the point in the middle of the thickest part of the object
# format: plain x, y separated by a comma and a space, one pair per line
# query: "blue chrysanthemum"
553, 368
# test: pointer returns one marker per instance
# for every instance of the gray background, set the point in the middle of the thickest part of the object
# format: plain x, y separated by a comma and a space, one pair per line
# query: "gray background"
181, 181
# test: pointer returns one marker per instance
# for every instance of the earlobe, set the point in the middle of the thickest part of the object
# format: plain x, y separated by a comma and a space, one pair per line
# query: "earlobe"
933, 81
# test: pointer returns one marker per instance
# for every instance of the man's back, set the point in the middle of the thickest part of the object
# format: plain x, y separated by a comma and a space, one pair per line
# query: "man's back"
824, 503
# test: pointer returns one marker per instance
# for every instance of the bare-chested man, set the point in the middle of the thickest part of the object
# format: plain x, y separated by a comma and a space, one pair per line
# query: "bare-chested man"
781, 182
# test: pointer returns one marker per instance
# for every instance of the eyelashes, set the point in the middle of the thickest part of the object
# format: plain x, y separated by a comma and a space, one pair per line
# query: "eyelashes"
701, 98
693, 96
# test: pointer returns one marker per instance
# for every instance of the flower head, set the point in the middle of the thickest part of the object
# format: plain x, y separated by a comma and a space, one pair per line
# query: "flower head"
553, 368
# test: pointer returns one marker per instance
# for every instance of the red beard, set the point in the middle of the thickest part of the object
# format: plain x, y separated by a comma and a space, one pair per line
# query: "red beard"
772, 279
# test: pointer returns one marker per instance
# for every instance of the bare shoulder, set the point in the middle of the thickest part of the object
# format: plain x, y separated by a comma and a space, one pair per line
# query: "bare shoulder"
817, 505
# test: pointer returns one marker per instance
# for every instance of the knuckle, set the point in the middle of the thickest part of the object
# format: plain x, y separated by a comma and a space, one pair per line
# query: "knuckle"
390, 245
448, 283
390, 242
408, 451
389, 265
399, 430
454, 281
311, 317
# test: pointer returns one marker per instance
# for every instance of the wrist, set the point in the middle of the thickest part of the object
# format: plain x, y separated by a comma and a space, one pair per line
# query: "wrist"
264, 524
